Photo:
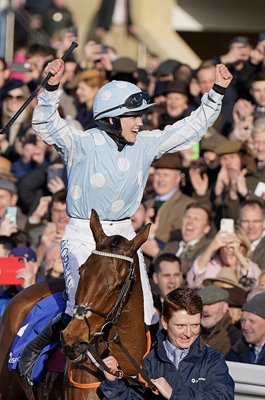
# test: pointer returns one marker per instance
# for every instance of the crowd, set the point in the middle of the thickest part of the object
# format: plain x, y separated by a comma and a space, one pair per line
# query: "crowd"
187, 195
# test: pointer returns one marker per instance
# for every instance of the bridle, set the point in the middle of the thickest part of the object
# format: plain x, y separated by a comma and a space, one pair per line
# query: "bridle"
82, 311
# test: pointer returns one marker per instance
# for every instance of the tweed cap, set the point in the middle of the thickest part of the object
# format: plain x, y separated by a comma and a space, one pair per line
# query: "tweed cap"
256, 305
168, 161
212, 141
213, 294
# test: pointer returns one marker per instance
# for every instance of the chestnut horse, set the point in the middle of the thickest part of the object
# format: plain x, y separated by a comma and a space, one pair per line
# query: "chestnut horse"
108, 318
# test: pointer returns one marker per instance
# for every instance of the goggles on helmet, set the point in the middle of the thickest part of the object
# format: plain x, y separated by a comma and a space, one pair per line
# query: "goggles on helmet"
133, 101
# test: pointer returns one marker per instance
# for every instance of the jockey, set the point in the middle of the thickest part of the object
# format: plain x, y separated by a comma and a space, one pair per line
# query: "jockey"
107, 170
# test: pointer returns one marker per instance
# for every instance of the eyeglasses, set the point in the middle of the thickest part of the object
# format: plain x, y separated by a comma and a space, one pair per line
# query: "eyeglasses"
18, 98
133, 101
245, 281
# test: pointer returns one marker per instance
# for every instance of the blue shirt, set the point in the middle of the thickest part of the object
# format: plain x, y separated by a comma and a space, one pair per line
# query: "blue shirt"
174, 353
101, 177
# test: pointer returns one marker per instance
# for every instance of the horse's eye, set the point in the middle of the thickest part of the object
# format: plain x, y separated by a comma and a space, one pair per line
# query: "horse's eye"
118, 287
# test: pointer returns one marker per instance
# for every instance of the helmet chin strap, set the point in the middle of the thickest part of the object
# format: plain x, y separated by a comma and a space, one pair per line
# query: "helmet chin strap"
113, 130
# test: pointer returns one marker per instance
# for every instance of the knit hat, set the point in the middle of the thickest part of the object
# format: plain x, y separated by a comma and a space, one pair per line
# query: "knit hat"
256, 305
212, 295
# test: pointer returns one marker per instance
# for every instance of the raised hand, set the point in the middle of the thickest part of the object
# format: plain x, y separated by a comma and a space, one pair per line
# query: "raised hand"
222, 75
56, 68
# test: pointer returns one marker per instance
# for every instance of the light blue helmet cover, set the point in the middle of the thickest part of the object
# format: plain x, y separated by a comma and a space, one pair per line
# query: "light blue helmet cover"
113, 94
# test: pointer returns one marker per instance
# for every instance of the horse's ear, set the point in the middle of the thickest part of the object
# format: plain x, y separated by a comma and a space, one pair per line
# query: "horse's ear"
96, 228
141, 237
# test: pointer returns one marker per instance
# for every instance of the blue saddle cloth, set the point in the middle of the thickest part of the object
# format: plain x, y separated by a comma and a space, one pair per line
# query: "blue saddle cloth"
34, 323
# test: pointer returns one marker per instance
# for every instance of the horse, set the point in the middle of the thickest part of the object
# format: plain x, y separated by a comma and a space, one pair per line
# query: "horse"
108, 319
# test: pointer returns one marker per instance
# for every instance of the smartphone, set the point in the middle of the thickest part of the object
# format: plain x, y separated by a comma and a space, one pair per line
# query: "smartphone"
8, 269
260, 189
104, 49
227, 225
20, 67
13, 212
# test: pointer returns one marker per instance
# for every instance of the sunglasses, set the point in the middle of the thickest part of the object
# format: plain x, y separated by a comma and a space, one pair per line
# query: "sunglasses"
133, 101
19, 98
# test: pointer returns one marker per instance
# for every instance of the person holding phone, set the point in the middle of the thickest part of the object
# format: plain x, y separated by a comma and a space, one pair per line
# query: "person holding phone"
229, 248
107, 169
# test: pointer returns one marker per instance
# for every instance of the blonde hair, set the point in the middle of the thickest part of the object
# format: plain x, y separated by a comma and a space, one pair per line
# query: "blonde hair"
240, 233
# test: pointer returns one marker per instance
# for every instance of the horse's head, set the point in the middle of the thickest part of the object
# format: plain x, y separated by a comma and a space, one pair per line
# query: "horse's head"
106, 282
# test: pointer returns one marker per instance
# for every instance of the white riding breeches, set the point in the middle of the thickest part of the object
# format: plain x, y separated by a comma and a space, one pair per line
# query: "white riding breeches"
77, 244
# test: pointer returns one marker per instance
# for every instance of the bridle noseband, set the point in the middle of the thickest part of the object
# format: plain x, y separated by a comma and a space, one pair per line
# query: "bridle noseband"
82, 311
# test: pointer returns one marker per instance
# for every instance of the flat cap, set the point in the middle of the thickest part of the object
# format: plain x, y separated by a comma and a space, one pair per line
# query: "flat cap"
167, 67
8, 185
213, 294
256, 305
168, 161
125, 65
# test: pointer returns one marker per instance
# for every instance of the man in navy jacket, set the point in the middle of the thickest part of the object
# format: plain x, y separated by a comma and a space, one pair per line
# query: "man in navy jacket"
179, 366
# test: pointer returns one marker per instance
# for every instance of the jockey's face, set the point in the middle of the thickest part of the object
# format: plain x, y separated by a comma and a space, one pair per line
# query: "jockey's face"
130, 127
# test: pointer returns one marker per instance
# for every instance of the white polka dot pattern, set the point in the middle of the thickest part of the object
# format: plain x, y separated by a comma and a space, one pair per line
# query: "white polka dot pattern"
76, 192
123, 164
97, 180
106, 95
99, 140
117, 205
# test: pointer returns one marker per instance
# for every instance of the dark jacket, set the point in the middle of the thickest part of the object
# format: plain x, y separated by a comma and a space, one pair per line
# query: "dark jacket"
202, 374
243, 352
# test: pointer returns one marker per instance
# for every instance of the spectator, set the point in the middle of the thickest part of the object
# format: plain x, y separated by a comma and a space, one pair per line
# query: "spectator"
177, 103
56, 18
88, 84
169, 203
231, 188
178, 360
227, 279
195, 227
9, 198
250, 349
47, 224
252, 220
225, 250
16, 92
115, 26
167, 276
217, 328
27, 273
